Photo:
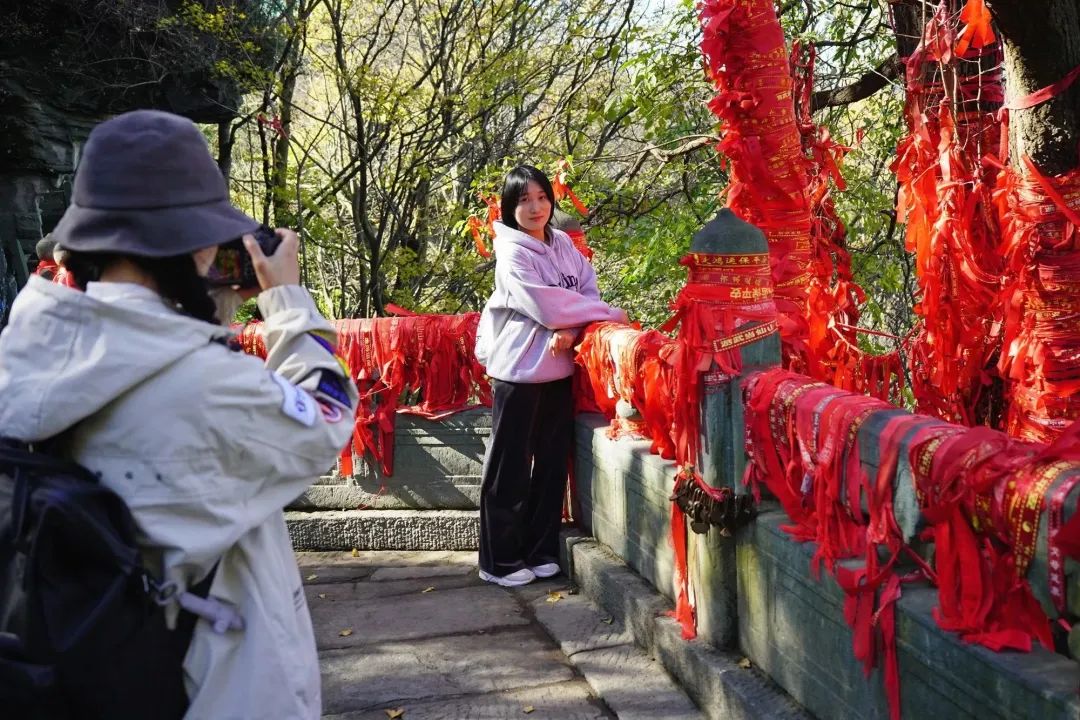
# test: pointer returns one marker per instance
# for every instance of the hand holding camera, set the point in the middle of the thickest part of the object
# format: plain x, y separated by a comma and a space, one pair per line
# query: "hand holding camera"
281, 266
262, 260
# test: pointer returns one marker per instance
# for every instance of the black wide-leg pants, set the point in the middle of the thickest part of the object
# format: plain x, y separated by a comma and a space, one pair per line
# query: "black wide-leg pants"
525, 469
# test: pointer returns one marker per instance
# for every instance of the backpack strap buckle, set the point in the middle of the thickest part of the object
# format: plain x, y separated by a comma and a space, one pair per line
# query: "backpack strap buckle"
222, 616
160, 593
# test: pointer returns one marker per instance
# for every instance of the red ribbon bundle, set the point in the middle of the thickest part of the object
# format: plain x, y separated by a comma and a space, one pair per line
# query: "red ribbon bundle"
621, 362
1041, 355
478, 227
945, 201
727, 303
747, 59
582, 245
561, 187
981, 493
427, 357
833, 297
783, 168
249, 336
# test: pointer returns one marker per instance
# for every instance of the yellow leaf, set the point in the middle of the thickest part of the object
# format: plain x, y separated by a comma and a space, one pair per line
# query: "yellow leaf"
394, 713
346, 632
606, 621
312, 577
554, 596
528, 709
322, 596
744, 663
355, 552
427, 589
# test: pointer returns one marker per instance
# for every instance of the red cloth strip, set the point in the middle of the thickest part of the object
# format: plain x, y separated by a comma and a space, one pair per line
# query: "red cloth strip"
1043, 94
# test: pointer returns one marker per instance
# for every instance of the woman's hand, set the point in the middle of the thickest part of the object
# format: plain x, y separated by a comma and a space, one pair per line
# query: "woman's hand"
562, 340
281, 268
619, 315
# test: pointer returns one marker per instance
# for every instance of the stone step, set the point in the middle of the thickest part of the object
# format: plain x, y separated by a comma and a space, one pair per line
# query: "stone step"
721, 683
384, 529
451, 492
631, 682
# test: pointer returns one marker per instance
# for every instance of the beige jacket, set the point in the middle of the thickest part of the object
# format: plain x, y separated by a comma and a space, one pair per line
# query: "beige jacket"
206, 445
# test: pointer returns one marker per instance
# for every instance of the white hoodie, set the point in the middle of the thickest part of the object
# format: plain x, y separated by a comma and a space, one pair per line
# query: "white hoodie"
539, 288
206, 446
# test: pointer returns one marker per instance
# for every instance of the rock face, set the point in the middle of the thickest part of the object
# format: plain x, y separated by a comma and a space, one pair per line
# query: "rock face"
40, 140
41, 136
67, 64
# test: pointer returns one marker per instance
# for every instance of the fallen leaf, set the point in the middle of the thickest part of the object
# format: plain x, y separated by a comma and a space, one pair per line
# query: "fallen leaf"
346, 632
745, 663
355, 552
312, 577
606, 621
427, 589
322, 596
554, 596
393, 713
528, 709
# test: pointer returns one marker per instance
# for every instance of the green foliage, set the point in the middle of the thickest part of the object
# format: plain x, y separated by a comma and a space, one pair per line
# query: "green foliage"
402, 113
235, 46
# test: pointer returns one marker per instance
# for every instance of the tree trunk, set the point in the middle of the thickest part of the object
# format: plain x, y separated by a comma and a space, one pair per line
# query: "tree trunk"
1041, 41
225, 146
908, 20
283, 216
1042, 44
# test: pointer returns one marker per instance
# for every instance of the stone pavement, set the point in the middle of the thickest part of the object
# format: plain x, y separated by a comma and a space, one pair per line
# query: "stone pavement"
418, 636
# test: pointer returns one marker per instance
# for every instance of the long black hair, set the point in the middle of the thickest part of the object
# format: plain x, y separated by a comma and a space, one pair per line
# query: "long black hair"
177, 278
517, 180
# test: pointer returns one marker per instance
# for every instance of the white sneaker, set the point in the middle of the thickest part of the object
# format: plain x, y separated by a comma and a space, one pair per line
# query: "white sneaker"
520, 577
546, 570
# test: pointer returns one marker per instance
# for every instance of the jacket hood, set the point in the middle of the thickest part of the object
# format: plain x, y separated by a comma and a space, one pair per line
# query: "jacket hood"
507, 235
66, 354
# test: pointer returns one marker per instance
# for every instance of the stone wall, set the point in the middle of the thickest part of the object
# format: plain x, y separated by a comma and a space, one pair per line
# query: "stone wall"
429, 503
792, 626
436, 467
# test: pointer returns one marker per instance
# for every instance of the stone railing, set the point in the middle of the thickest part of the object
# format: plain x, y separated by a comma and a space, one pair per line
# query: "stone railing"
756, 593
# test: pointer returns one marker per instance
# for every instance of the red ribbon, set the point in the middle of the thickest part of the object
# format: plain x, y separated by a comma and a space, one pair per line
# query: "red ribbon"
429, 357
1043, 94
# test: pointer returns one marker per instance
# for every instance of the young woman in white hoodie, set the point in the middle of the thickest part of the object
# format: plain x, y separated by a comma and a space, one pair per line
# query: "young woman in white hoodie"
545, 293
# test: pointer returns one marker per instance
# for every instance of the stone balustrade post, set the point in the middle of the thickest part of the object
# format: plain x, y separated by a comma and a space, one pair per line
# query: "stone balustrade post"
722, 460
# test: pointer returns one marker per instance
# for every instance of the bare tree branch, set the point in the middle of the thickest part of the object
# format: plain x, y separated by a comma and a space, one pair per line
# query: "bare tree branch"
864, 87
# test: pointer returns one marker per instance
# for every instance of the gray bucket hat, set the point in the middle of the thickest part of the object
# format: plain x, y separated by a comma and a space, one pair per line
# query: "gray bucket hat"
147, 185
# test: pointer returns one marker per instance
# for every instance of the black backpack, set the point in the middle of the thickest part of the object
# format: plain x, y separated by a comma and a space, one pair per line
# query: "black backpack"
82, 634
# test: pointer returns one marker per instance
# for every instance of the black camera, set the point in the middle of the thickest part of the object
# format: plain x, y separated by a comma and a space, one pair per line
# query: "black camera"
233, 266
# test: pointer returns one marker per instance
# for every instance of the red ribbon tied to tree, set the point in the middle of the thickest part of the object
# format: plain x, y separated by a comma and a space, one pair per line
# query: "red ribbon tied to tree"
562, 189
977, 31
477, 227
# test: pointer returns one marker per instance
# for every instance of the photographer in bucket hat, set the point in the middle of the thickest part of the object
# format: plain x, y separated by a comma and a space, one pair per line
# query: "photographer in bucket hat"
205, 445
